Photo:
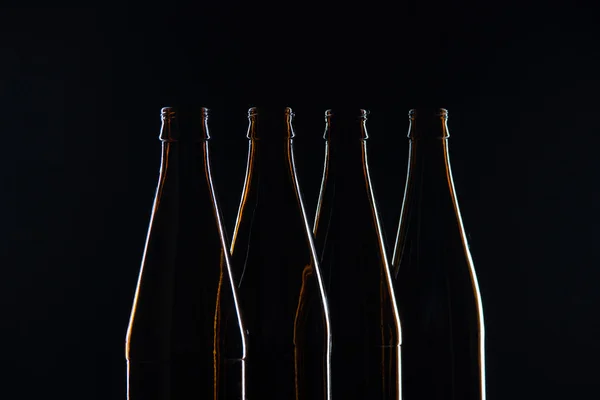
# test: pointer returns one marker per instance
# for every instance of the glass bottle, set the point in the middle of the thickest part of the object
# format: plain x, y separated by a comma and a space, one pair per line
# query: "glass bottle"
175, 348
274, 263
353, 258
436, 285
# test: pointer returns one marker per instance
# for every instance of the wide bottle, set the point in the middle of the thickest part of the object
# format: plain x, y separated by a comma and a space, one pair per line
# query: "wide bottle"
275, 265
350, 243
436, 285
176, 345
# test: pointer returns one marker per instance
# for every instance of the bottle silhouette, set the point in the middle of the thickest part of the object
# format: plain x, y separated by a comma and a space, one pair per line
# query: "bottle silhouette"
436, 286
274, 260
350, 243
176, 348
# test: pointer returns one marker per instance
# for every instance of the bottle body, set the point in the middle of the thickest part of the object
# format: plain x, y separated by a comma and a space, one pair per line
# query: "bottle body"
174, 347
436, 285
353, 258
273, 258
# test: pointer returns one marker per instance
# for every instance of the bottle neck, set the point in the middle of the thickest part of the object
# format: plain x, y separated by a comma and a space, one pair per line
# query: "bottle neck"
185, 135
345, 181
268, 184
429, 192
270, 167
428, 140
185, 166
346, 162
346, 147
270, 142
269, 158
428, 158
429, 180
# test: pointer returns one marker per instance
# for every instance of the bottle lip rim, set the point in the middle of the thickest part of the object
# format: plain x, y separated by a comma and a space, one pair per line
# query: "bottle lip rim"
170, 112
362, 113
436, 112
254, 111
169, 116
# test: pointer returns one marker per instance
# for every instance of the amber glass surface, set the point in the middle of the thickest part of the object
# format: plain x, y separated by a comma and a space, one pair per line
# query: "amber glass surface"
436, 286
274, 260
177, 347
364, 318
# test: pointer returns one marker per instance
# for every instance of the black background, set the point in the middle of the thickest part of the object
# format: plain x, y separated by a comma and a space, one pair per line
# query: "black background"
82, 89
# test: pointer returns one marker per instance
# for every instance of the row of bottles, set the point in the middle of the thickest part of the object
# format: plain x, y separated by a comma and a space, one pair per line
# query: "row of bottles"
289, 308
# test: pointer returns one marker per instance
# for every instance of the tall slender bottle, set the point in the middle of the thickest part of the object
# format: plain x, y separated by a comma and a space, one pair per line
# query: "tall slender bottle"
351, 246
275, 264
175, 346
435, 282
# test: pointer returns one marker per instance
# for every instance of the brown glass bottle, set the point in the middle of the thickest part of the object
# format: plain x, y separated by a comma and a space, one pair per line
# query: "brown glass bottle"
349, 239
176, 349
436, 286
274, 260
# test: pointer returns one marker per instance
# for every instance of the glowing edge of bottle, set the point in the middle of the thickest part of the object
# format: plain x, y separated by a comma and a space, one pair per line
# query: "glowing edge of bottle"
309, 236
388, 275
474, 280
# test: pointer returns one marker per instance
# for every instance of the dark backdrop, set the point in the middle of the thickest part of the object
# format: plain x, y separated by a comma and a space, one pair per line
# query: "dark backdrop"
81, 92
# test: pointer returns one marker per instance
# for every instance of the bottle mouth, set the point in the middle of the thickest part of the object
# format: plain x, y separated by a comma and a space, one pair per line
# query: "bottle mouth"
430, 124
267, 120
167, 112
347, 123
204, 112
183, 124
362, 113
254, 111
428, 112
170, 112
